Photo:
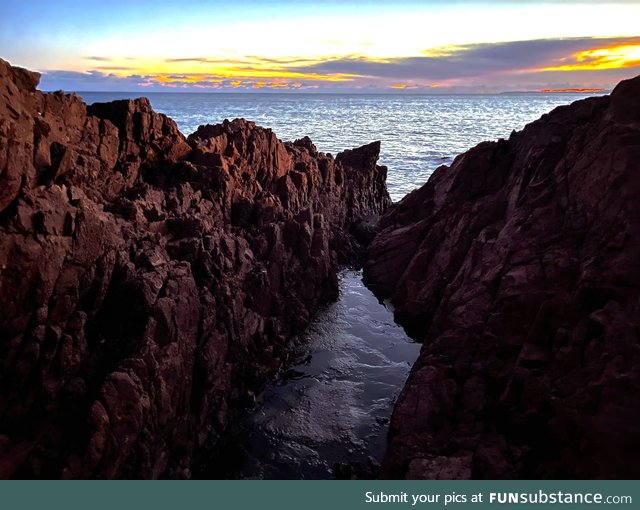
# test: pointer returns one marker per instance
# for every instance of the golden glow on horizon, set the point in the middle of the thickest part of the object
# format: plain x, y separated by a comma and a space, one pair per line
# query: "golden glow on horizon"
285, 72
441, 51
559, 91
220, 74
615, 57
290, 71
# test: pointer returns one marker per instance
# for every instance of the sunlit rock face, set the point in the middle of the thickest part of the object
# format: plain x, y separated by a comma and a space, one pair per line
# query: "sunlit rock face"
150, 283
519, 268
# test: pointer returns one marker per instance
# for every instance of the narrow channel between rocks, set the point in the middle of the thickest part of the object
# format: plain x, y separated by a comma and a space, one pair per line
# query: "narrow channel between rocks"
327, 416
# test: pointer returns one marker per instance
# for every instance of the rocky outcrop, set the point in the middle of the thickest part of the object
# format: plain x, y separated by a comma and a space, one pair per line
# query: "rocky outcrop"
519, 268
150, 283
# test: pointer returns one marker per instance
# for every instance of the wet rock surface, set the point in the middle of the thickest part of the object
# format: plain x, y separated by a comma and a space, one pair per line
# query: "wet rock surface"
519, 268
150, 283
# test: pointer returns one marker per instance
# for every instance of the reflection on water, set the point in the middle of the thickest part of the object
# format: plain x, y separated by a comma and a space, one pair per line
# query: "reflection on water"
418, 132
333, 407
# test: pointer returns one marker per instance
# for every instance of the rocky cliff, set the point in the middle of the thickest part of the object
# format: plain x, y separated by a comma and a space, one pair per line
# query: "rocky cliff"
150, 283
519, 268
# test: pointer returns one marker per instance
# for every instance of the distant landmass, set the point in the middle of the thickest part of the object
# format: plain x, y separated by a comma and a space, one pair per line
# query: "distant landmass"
559, 91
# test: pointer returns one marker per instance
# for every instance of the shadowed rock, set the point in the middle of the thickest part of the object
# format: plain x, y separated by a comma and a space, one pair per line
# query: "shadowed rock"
519, 268
150, 283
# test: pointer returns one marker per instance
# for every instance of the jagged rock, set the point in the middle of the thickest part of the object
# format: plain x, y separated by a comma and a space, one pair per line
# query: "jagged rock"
150, 283
519, 267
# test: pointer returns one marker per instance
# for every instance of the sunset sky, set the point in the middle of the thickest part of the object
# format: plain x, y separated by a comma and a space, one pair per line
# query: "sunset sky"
401, 46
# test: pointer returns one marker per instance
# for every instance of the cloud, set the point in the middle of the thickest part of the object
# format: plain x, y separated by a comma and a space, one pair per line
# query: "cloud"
99, 59
97, 81
186, 59
281, 61
485, 67
466, 61
114, 68
93, 81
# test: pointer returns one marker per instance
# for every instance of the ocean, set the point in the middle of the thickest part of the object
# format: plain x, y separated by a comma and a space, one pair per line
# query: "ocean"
418, 132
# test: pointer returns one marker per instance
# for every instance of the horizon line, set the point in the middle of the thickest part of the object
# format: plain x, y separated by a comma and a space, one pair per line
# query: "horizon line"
330, 92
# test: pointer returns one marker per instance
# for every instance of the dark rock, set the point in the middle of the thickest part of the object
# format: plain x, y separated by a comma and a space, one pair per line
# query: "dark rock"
519, 268
151, 283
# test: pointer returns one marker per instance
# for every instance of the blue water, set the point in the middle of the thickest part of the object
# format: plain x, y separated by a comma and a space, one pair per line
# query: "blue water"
418, 132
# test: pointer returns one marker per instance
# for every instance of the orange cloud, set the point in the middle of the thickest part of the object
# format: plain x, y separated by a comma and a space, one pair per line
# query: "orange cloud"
196, 69
614, 57
511, 65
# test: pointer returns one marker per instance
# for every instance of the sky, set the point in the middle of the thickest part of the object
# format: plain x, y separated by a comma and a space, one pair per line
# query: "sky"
399, 46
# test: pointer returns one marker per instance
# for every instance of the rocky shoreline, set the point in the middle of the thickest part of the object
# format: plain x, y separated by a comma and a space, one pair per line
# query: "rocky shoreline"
151, 283
519, 268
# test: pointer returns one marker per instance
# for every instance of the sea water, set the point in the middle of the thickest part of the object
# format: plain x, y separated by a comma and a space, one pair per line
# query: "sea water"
418, 132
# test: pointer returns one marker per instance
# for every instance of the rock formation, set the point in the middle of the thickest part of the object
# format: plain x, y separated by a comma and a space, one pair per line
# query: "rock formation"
150, 283
519, 268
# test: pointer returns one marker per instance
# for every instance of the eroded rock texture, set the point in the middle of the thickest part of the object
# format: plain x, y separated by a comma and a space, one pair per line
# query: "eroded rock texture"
150, 283
519, 267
